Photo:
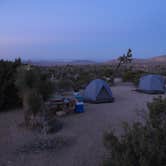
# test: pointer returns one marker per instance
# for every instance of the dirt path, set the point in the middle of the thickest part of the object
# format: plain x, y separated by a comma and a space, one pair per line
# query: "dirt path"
85, 130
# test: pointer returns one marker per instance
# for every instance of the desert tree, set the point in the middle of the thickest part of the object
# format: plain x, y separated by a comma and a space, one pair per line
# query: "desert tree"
124, 59
9, 98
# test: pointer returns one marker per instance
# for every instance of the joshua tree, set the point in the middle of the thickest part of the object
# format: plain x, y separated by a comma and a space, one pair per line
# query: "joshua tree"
125, 59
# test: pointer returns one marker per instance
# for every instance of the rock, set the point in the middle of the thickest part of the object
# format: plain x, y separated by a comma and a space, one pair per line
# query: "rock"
61, 113
117, 80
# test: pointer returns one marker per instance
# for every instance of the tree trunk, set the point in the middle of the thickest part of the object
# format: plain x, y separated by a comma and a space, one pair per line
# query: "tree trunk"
27, 112
117, 67
115, 72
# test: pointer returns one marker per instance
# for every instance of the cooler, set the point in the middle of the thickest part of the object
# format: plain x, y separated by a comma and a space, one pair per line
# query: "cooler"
79, 108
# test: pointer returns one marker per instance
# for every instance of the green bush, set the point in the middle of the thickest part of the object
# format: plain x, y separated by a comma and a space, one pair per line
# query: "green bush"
140, 145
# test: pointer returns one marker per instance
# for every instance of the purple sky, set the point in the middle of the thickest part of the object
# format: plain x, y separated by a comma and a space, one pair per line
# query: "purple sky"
81, 29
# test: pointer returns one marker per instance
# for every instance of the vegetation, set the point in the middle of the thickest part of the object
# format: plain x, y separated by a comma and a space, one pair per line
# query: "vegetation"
132, 76
65, 78
35, 88
125, 59
140, 145
76, 77
8, 93
157, 112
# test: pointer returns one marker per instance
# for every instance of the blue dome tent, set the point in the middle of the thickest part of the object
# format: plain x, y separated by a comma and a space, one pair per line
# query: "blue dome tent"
152, 84
98, 91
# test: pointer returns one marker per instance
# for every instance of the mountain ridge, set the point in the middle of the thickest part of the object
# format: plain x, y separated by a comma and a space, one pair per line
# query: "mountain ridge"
155, 59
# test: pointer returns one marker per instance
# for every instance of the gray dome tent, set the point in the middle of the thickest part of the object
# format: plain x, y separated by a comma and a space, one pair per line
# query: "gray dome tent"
152, 83
98, 91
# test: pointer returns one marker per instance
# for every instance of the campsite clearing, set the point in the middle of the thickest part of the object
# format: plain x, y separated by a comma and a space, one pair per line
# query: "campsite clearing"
81, 139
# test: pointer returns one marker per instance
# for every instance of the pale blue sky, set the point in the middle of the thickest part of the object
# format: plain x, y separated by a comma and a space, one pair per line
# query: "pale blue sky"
81, 29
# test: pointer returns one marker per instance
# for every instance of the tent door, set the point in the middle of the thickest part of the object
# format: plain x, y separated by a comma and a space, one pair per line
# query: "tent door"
103, 95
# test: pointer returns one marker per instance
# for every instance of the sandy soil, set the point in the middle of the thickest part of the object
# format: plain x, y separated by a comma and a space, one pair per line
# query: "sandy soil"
83, 131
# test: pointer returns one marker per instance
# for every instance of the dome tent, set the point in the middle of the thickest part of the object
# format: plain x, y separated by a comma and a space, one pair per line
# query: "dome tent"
98, 91
152, 84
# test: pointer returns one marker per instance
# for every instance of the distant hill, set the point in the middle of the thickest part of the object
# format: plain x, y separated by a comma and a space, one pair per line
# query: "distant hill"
82, 62
153, 60
160, 59
55, 63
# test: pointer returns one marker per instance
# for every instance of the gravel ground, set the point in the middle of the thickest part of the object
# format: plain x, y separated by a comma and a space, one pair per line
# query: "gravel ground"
81, 136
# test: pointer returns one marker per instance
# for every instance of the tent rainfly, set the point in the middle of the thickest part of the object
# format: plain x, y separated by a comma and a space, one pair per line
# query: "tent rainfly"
98, 91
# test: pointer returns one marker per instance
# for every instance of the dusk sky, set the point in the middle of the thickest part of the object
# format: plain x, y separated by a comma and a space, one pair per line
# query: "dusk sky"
81, 29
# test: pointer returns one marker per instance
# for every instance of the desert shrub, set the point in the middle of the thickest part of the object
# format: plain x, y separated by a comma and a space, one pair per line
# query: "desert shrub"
108, 72
26, 79
9, 97
79, 76
132, 76
140, 145
33, 80
45, 87
83, 79
34, 102
65, 84
157, 111
34, 87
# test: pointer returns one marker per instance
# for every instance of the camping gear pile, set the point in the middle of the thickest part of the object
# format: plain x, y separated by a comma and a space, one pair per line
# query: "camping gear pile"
62, 105
98, 91
79, 106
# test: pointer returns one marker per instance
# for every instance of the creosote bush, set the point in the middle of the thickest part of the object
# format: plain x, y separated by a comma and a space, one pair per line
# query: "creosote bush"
140, 145
157, 114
